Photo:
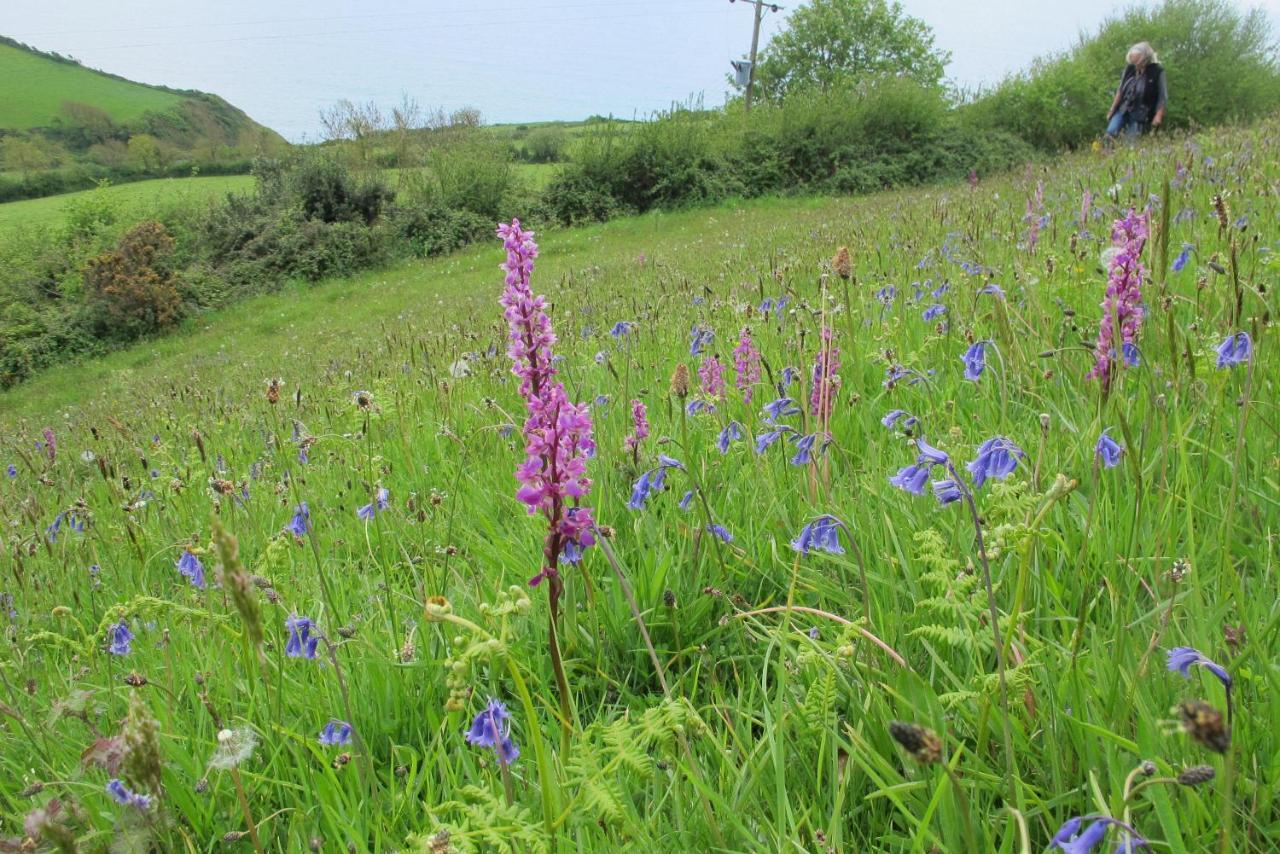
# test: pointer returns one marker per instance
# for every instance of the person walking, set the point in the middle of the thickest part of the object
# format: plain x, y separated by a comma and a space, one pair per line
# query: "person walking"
1140, 99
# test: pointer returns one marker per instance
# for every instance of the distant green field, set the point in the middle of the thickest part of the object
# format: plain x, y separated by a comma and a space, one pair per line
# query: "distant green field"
136, 199
46, 84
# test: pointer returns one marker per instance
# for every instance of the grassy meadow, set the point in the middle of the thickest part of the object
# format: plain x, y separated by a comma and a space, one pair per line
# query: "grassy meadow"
730, 682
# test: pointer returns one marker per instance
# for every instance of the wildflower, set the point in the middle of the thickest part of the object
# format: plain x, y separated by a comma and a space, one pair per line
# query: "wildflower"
651, 481
711, 376
993, 289
1205, 725
121, 639
923, 744
54, 527
1183, 257
911, 478
975, 360
789, 375
300, 524
1235, 350
825, 381
1070, 840
1122, 307
622, 329
804, 450
680, 382
1183, 658
571, 553
302, 643
780, 408
947, 491
822, 534
893, 416
1196, 775
491, 728
997, 457
336, 733
731, 433
1131, 354
639, 424
746, 365
558, 432
686, 500
933, 312
764, 440
362, 399
191, 567
12, 470
1108, 451
235, 747
700, 338
121, 795
720, 531
696, 406
381, 501
840, 263
50, 444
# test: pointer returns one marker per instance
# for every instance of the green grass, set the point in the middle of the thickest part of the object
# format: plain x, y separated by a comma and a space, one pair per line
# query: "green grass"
46, 84
135, 200
766, 736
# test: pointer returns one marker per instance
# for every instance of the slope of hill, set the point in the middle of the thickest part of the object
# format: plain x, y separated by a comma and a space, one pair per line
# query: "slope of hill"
63, 126
39, 84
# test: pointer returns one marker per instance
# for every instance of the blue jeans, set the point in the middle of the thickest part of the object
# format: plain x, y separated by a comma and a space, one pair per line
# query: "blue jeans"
1123, 121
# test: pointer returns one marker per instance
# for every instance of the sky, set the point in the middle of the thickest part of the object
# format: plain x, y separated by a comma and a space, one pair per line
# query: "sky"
283, 61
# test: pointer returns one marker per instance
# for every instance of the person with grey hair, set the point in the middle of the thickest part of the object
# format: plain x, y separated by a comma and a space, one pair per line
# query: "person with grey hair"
1140, 99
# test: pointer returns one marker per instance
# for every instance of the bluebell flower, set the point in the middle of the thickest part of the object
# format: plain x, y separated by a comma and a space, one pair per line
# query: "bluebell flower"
302, 643
780, 408
12, 470
191, 567
767, 305
720, 531
813, 633
700, 338
669, 462
121, 795
1132, 356
911, 478
686, 499
930, 454
940, 290
491, 728
1071, 840
336, 733
622, 328
300, 524
1108, 451
1183, 658
779, 305
155, 473
121, 639
997, 457
640, 491
892, 417
822, 534
1235, 350
947, 491
381, 501
601, 357
895, 374
571, 552
697, 405
887, 294
764, 440
54, 527
934, 311
730, 434
789, 375
975, 360
993, 289
1183, 257
804, 450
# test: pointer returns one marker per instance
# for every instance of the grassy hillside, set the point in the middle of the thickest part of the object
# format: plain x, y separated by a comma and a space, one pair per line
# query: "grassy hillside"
775, 643
135, 201
36, 86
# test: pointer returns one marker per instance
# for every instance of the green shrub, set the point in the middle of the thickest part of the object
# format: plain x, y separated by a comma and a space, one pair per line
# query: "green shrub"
430, 228
472, 171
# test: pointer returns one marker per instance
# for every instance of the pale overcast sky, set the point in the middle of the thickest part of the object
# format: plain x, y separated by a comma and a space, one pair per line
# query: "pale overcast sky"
283, 60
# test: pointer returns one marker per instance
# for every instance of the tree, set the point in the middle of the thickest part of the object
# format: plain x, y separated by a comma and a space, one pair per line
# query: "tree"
19, 154
131, 288
830, 42
144, 150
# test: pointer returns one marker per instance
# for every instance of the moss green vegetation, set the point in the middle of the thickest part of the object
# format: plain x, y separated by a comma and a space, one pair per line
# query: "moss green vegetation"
36, 88
732, 695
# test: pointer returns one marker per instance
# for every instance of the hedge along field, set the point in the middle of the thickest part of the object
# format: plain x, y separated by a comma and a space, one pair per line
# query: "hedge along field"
280, 614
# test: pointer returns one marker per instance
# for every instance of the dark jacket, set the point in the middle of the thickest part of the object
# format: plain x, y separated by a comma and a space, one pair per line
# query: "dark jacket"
1142, 96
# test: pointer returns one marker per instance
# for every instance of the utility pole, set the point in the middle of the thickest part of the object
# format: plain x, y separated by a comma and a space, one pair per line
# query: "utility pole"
760, 7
